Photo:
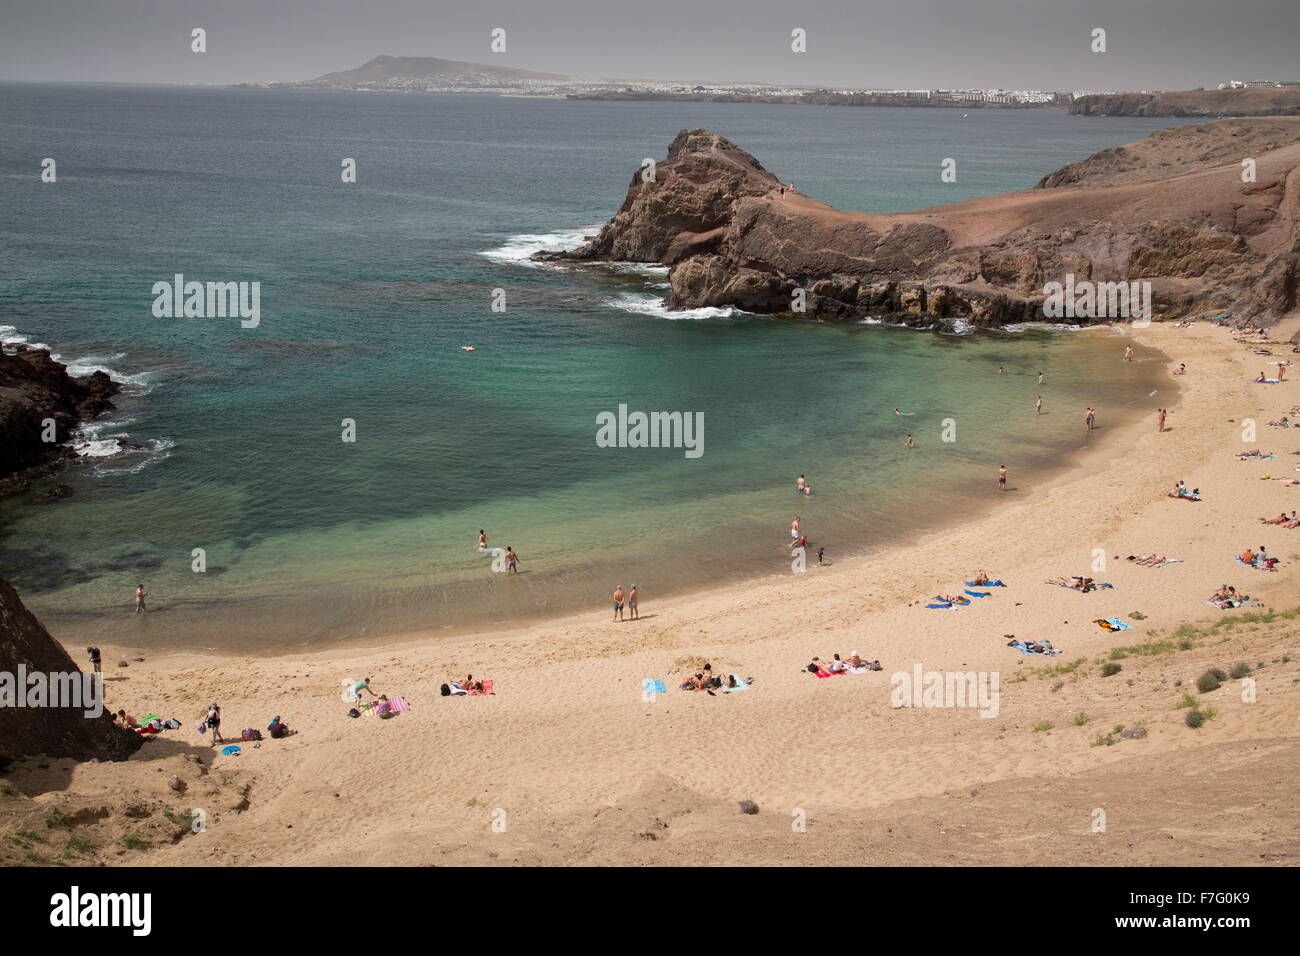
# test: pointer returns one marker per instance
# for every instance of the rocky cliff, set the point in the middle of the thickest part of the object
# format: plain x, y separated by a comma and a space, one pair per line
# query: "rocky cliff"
53, 731
33, 389
1175, 213
1257, 101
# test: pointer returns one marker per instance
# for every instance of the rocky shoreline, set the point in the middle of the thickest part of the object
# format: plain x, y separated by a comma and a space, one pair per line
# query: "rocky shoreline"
40, 400
1172, 211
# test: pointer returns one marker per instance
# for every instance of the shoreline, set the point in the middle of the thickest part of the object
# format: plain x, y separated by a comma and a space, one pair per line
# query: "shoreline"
568, 734
1081, 466
80, 627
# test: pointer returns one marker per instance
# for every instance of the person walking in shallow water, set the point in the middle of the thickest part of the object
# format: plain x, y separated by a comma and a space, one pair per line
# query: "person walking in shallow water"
1038, 406
1161, 421
139, 599
1002, 477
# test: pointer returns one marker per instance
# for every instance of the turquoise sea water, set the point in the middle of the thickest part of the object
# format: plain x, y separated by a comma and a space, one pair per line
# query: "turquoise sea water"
228, 439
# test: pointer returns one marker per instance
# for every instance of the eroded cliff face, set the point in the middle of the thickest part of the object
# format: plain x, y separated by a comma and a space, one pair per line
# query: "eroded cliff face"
34, 388
1171, 210
27, 648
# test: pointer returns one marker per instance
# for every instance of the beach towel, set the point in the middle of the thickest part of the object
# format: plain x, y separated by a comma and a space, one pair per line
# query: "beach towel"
487, 689
992, 584
740, 685
980, 593
824, 673
1020, 646
148, 717
1112, 624
940, 606
1229, 603
651, 686
395, 706
1267, 381
231, 751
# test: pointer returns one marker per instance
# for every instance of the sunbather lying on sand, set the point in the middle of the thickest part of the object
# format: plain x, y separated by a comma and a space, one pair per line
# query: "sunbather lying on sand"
1076, 583
1283, 422
1280, 519
1253, 453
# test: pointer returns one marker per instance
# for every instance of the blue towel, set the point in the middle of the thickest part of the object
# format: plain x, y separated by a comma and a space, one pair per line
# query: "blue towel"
651, 686
1118, 625
979, 593
944, 606
992, 584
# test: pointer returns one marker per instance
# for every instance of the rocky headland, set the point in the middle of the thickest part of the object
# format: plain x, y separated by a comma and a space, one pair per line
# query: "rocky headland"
35, 389
1256, 101
1171, 209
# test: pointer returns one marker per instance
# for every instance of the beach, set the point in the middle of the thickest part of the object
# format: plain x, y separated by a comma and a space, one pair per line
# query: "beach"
568, 762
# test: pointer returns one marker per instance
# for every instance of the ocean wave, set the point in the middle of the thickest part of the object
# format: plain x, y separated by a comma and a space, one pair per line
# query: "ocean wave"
11, 336
140, 382
645, 303
105, 439
520, 249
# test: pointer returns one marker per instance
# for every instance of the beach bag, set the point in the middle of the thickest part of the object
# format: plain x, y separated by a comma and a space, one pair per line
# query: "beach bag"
203, 727
250, 734
445, 690
353, 712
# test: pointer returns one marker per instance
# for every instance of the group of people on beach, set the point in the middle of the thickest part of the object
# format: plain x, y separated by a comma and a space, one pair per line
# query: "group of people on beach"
512, 559
630, 598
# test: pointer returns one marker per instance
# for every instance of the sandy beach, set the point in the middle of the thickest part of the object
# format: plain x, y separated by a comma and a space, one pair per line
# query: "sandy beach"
568, 762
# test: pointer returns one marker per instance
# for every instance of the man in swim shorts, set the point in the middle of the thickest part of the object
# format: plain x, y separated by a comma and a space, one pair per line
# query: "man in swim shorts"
512, 561
1002, 477
618, 602
631, 602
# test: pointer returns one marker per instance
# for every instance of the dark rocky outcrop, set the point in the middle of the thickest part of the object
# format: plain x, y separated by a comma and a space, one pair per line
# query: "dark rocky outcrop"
1171, 210
53, 731
33, 388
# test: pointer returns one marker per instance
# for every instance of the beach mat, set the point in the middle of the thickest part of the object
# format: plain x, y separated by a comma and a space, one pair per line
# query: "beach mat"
980, 593
740, 685
1112, 624
992, 584
651, 686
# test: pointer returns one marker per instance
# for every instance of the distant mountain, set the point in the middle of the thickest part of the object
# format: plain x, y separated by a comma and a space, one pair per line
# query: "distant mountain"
386, 69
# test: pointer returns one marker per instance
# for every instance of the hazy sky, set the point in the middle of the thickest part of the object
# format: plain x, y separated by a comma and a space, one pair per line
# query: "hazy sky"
1035, 44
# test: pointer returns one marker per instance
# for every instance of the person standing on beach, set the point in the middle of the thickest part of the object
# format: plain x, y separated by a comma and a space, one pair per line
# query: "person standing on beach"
1040, 378
1161, 421
213, 722
1002, 477
1128, 353
632, 597
94, 658
139, 599
1038, 406
794, 527
1088, 419
618, 602
512, 561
